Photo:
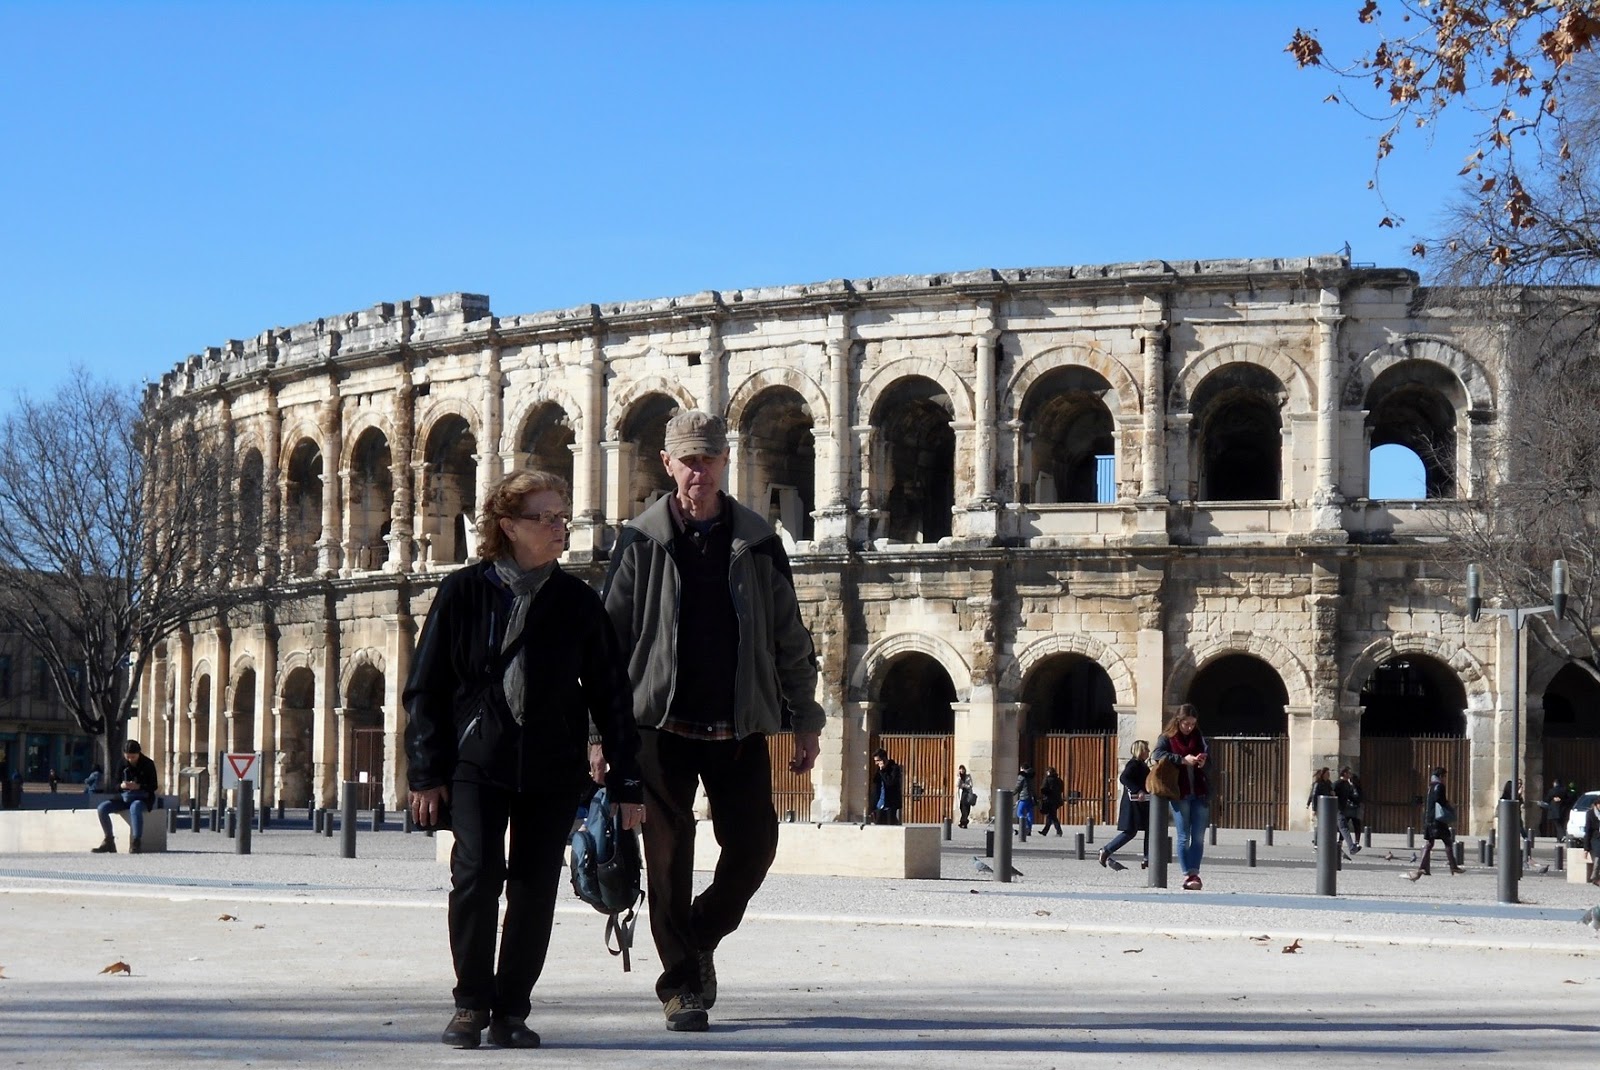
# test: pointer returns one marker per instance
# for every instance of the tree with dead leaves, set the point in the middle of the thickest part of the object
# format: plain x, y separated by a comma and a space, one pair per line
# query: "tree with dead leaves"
1525, 70
111, 539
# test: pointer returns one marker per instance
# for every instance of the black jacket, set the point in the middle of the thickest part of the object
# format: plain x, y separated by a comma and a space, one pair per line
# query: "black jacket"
573, 673
891, 780
1052, 793
1133, 815
141, 771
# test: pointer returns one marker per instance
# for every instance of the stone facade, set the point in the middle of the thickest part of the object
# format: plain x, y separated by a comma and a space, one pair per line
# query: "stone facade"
1090, 493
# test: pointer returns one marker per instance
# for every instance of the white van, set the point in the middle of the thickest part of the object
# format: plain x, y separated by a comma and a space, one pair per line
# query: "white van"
1576, 818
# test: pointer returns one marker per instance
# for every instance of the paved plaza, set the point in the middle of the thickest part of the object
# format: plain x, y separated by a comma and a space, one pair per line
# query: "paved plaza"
293, 956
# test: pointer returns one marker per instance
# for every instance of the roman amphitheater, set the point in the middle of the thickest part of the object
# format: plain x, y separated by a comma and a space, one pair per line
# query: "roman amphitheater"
1029, 512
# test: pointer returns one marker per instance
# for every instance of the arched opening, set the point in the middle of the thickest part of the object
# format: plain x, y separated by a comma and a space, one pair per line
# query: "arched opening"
1070, 452
452, 473
1414, 404
1243, 708
363, 726
1072, 728
371, 499
1396, 473
242, 725
914, 460
915, 722
546, 441
302, 514
1571, 732
779, 457
252, 480
1413, 718
199, 753
294, 744
1238, 411
644, 433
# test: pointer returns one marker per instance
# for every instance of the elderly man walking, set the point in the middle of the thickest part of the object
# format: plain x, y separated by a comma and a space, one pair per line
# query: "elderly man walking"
704, 605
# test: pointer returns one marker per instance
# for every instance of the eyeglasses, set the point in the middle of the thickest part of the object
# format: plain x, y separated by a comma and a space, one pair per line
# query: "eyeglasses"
559, 520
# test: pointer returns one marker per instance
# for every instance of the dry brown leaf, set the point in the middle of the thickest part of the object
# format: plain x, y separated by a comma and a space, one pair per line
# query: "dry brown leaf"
119, 967
227, 917
1133, 951
1568, 981
1292, 948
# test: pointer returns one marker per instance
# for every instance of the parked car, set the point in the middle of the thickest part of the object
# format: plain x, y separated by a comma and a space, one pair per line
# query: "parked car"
1575, 819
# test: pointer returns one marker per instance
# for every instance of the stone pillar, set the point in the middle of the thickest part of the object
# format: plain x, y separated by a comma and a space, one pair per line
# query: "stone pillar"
272, 490
489, 470
266, 710
221, 710
831, 529
619, 466
399, 641
586, 540
181, 644
156, 712
1153, 450
401, 507
1150, 666
331, 424
1325, 496
735, 479
324, 719
984, 416
713, 361
423, 538
853, 782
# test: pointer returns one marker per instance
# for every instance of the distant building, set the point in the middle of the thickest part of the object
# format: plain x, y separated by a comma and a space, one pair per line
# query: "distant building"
1030, 512
37, 730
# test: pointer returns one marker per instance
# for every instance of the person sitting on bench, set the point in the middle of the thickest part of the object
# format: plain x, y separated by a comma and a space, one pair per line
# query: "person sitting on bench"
138, 787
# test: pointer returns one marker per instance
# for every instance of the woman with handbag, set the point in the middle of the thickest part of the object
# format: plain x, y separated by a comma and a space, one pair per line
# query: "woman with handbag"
1182, 744
516, 660
965, 793
1321, 784
1133, 813
1438, 817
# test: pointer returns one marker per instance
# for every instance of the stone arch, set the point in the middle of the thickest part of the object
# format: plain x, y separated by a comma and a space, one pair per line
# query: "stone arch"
881, 379
296, 432
779, 375
364, 420
624, 400
1290, 669
1302, 394
527, 400
299, 659
1125, 389
363, 657
443, 409
869, 670
1467, 668
1467, 369
1030, 656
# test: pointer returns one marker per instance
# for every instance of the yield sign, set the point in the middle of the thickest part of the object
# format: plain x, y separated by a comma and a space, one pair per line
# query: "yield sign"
237, 767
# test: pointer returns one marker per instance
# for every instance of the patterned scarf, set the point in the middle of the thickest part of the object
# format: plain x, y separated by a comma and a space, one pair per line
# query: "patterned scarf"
524, 586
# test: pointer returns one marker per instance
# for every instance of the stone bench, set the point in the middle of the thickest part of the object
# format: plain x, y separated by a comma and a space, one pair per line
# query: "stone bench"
828, 849
61, 831
1577, 865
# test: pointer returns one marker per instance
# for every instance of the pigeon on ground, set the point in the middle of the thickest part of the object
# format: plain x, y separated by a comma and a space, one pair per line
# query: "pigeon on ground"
983, 867
1591, 918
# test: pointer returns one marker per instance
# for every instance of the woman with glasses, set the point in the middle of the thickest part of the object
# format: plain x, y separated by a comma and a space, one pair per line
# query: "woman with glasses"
515, 661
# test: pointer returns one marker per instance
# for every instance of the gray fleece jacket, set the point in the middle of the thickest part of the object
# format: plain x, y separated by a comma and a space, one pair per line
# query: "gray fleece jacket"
777, 664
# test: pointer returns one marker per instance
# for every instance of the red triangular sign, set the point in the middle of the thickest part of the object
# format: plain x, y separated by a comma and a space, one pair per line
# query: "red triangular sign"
242, 764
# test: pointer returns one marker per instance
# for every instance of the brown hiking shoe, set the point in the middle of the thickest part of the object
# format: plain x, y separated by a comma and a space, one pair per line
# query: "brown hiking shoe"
708, 978
686, 1013
466, 1028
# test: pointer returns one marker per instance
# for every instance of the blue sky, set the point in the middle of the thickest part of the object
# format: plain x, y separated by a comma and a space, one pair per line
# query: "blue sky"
178, 174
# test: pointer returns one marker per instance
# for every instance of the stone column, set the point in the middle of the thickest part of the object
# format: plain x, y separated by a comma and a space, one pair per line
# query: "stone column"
272, 489
1150, 663
1153, 452
182, 646
399, 640
713, 361
984, 416
324, 719
221, 710
266, 710
1325, 496
735, 479
401, 507
489, 470
831, 527
331, 424
422, 537
587, 538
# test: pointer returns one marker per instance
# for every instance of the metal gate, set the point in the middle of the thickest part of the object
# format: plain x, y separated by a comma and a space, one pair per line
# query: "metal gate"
790, 791
1248, 783
928, 764
1087, 764
1394, 777
366, 756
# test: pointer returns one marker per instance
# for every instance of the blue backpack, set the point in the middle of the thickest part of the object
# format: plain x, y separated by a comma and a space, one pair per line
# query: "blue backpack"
605, 873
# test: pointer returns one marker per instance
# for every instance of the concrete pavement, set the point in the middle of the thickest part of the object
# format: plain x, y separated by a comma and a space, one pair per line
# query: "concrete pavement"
324, 961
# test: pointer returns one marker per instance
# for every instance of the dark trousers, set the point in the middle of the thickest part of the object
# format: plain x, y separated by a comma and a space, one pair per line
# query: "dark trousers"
540, 822
1052, 819
738, 778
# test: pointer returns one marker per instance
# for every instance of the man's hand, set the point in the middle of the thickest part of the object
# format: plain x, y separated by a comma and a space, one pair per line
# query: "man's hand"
597, 764
807, 745
428, 804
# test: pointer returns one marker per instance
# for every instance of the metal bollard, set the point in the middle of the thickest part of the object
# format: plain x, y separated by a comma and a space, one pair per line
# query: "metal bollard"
1250, 853
407, 823
233, 822
1483, 852
1269, 835
1509, 867
1366, 838
194, 816
1211, 833
311, 815
988, 844
1156, 875
247, 805
1461, 853
280, 809
216, 819
1561, 858
1327, 845
1004, 800
172, 820
1411, 838
377, 817
1077, 844
944, 825
1088, 831
327, 822
347, 821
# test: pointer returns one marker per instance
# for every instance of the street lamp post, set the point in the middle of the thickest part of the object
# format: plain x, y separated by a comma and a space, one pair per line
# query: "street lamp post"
1508, 862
